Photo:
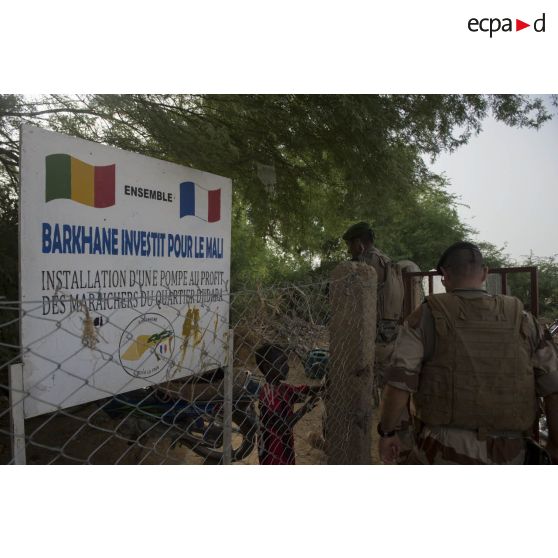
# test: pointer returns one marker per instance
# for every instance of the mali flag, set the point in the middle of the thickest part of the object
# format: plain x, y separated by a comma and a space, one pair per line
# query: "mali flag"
72, 179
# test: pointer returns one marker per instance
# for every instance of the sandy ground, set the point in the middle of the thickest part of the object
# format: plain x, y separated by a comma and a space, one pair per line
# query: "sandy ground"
87, 435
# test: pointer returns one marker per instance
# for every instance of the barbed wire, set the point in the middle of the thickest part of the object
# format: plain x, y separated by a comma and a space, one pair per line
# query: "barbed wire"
178, 414
177, 417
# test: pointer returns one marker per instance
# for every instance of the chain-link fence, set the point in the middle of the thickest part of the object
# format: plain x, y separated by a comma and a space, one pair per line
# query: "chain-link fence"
177, 403
243, 409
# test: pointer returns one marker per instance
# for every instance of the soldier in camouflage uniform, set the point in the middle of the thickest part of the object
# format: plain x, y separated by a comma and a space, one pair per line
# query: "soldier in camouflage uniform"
360, 244
474, 364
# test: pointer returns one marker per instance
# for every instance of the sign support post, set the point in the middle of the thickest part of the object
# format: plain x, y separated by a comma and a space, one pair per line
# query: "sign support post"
17, 417
227, 410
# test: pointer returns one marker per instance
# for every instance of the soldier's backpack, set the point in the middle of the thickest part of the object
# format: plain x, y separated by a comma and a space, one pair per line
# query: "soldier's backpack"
391, 291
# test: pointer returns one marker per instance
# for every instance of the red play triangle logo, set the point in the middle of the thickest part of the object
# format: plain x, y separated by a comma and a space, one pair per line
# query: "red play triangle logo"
519, 25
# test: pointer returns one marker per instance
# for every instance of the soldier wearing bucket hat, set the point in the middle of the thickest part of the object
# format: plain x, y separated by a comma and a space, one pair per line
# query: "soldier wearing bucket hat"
389, 303
360, 245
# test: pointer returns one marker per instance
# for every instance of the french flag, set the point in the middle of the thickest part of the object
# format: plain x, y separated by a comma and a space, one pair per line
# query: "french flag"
199, 202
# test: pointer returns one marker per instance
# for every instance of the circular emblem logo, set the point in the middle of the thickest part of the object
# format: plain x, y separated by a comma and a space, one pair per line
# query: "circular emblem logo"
146, 345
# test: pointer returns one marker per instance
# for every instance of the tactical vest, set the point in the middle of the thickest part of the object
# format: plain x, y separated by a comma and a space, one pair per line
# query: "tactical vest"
480, 376
391, 290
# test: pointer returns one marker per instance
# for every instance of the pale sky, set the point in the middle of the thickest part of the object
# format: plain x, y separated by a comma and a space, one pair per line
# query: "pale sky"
509, 179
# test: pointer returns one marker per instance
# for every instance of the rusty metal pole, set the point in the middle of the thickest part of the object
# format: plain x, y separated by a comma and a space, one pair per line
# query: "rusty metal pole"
503, 282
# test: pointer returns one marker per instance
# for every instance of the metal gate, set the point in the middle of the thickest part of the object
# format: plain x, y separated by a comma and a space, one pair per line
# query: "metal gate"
410, 301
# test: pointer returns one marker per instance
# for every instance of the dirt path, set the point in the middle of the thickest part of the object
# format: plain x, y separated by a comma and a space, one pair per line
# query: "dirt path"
87, 435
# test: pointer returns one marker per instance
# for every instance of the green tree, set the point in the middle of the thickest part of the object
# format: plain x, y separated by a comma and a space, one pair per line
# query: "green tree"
520, 285
548, 285
303, 166
494, 256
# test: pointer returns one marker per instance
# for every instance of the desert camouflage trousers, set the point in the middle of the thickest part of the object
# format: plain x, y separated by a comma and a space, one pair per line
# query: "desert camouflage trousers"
385, 343
443, 445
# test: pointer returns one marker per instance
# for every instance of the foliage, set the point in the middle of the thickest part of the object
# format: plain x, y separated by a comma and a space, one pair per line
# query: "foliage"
494, 256
548, 285
520, 285
303, 166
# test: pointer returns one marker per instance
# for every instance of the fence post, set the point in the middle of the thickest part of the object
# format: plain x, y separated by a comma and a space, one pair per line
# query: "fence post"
17, 417
228, 401
352, 332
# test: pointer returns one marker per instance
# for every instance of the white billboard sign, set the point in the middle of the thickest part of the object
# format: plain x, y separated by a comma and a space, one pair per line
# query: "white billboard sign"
125, 270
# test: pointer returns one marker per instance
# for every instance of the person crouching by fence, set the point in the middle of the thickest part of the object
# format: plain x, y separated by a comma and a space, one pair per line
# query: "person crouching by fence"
276, 404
